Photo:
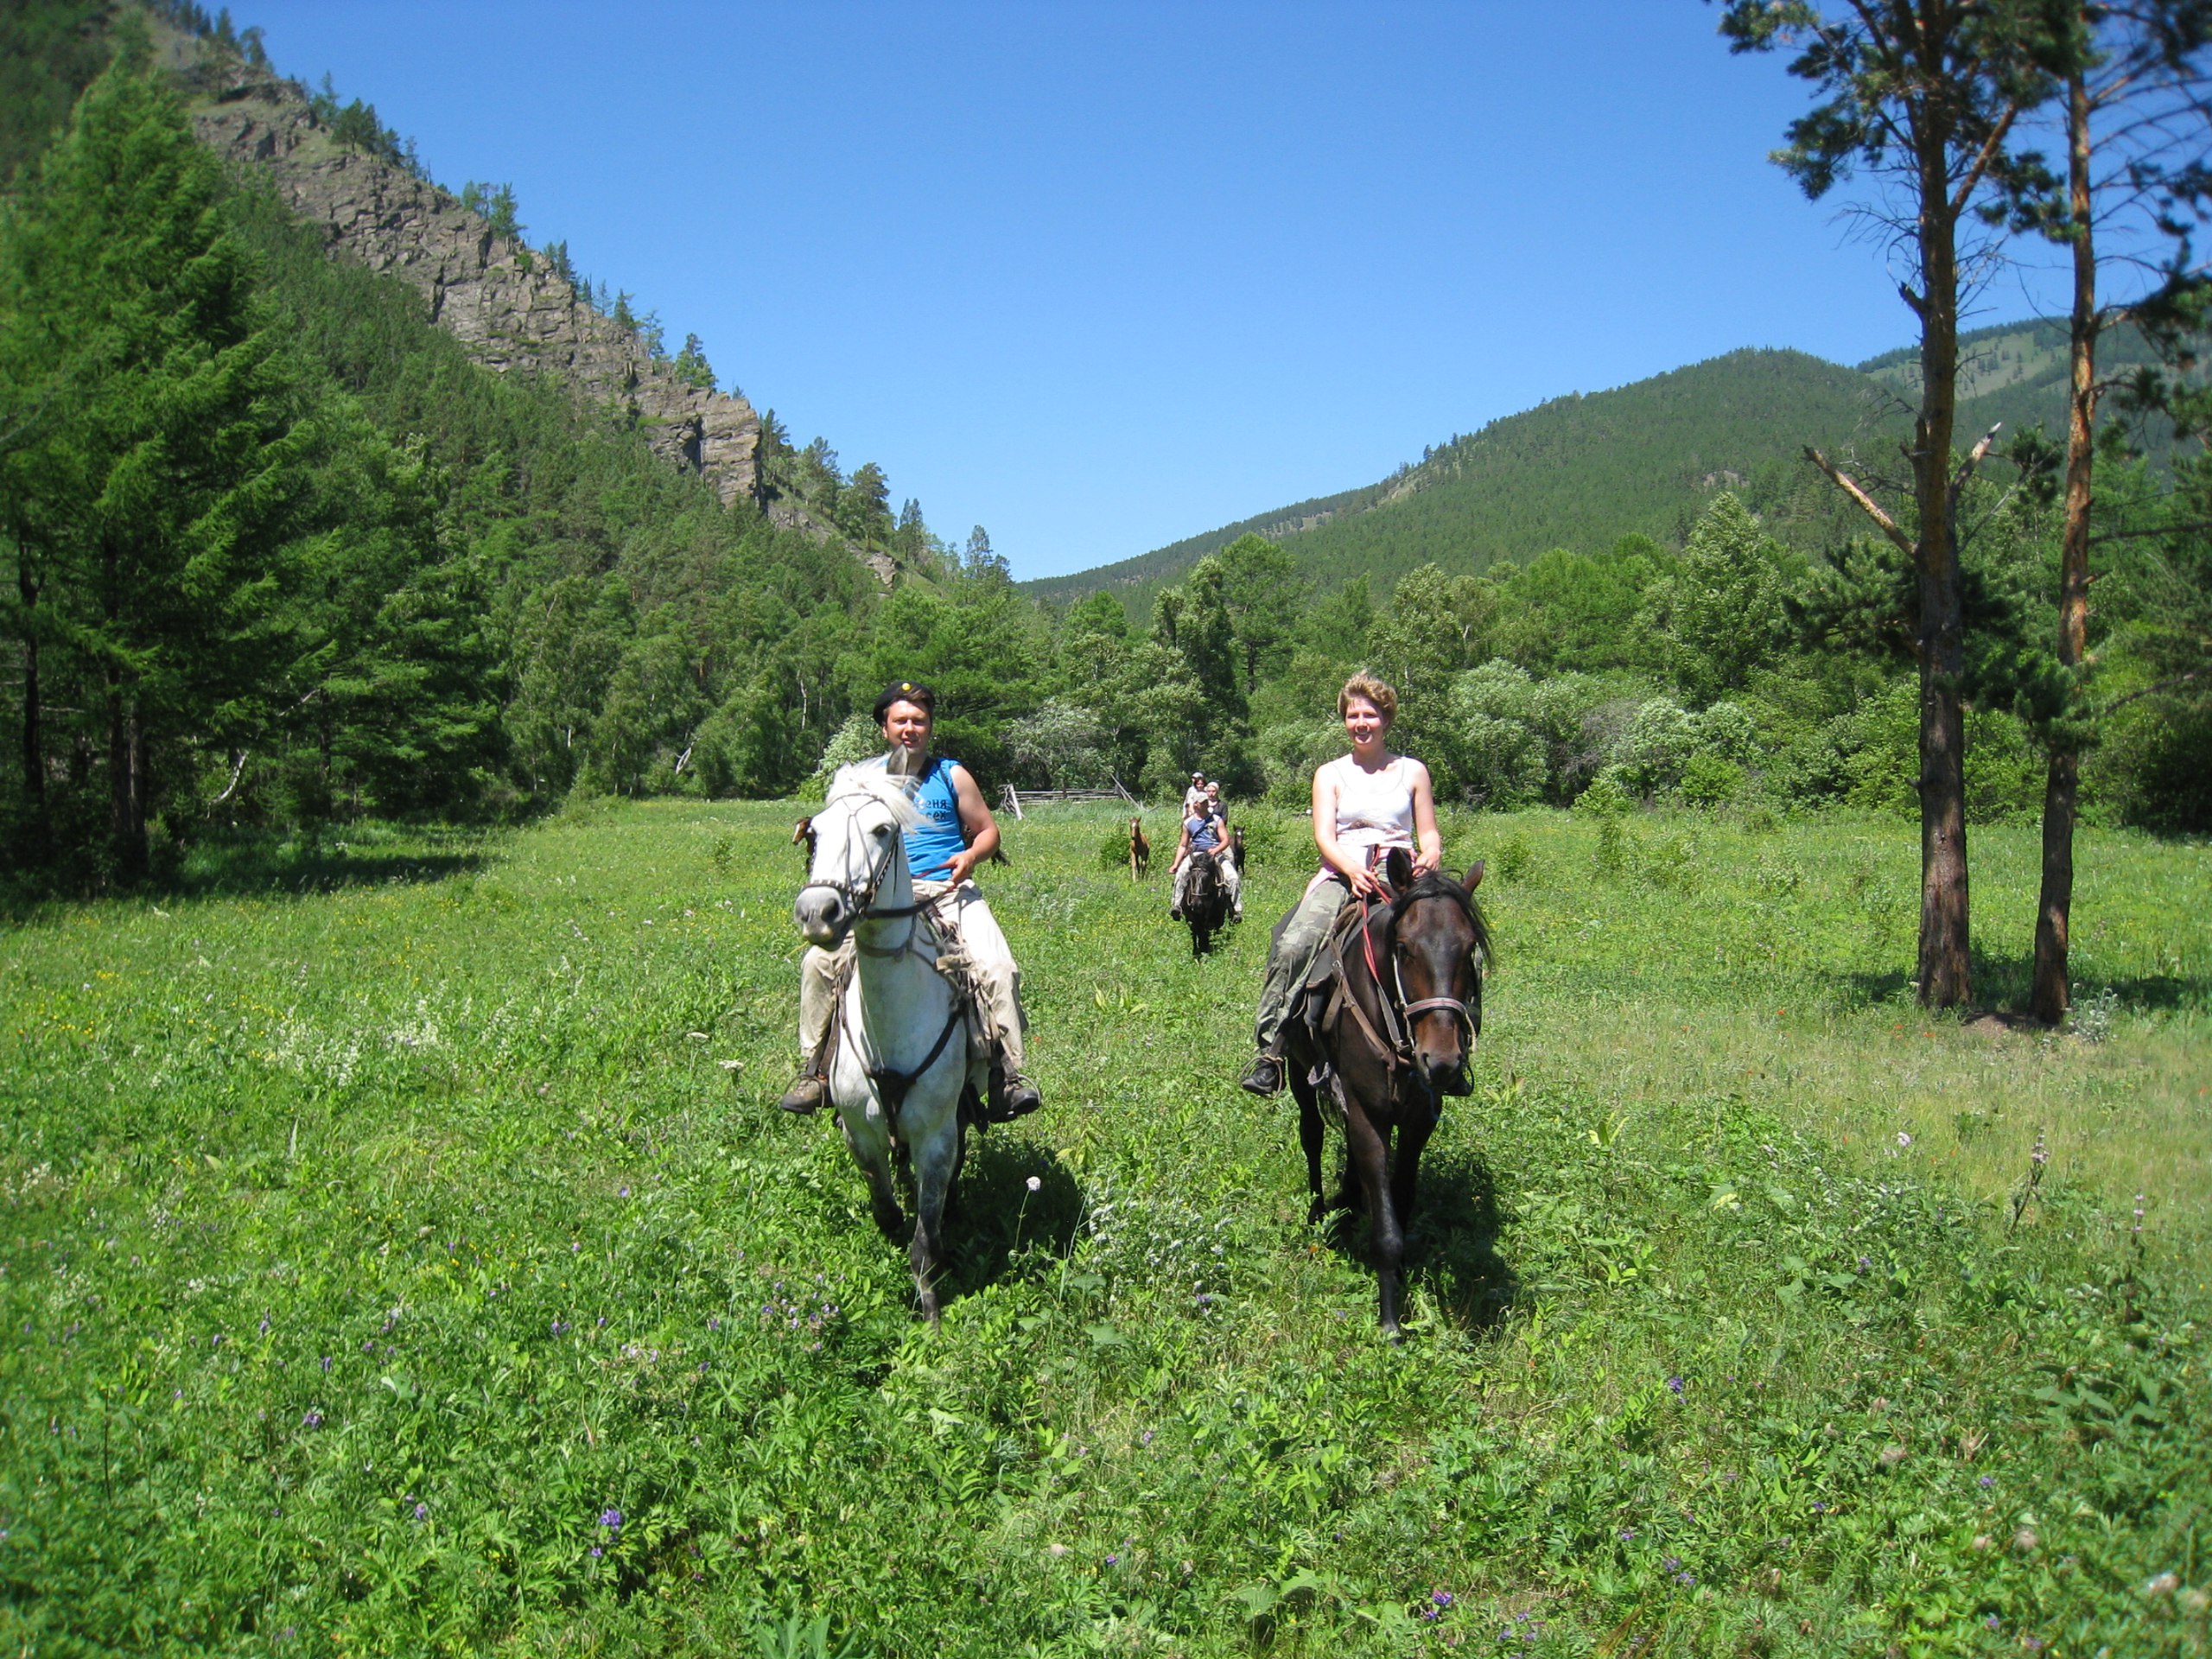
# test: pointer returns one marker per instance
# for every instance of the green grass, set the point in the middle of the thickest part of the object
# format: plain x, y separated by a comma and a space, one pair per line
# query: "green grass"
376, 1222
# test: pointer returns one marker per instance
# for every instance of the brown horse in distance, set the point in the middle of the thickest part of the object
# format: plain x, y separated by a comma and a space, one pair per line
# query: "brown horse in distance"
1397, 1036
1139, 851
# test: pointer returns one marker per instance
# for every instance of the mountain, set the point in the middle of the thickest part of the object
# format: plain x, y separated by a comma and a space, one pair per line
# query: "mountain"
1583, 471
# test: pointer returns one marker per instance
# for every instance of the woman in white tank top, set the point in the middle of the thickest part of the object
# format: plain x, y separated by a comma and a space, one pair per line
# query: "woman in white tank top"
1364, 804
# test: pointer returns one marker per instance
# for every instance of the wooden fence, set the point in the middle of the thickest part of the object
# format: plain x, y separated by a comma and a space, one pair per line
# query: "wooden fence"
1016, 800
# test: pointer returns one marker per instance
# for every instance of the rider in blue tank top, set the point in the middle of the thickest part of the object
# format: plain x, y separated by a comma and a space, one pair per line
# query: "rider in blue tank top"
957, 834
933, 844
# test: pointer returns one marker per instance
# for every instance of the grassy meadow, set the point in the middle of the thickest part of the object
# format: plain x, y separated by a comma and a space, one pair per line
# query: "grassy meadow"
399, 1253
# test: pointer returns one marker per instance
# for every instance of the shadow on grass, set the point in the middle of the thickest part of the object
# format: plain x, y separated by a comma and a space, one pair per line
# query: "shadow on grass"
994, 1213
2002, 985
1451, 1240
256, 865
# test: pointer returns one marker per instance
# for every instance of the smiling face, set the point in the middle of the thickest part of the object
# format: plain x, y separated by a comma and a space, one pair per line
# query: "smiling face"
1365, 723
906, 728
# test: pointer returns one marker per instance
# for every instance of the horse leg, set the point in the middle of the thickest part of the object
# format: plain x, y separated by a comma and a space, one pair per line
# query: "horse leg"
936, 1162
870, 1145
1387, 1246
1404, 1171
1310, 1130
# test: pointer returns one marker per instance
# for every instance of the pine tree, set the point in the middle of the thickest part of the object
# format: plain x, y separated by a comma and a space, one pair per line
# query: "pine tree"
162, 492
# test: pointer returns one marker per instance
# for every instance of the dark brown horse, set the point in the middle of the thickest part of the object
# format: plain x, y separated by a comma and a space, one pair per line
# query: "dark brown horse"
1205, 901
1396, 1036
1139, 851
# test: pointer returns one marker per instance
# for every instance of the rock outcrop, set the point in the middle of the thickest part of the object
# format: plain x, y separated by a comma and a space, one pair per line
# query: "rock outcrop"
509, 306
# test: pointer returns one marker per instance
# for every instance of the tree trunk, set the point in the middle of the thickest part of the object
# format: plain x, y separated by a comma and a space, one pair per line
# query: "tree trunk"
2052, 995
33, 739
1943, 966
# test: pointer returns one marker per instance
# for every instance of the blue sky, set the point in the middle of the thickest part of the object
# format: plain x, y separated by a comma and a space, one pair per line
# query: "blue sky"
1099, 277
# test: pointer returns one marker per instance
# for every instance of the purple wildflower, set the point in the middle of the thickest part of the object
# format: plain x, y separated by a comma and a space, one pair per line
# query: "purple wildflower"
597, 1552
1113, 1561
1994, 1622
422, 1511
611, 1519
1441, 1597
1675, 1384
325, 1362
1989, 1480
313, 1419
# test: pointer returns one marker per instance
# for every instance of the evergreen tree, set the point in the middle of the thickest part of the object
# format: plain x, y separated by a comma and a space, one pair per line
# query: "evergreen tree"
171, 476
1926, 94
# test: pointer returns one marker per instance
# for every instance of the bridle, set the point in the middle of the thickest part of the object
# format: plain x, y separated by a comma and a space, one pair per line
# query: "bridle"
1399, 1012
860, 900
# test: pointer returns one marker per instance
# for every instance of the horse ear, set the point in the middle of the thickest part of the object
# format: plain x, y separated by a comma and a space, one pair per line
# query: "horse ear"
1398, 868
1474, 875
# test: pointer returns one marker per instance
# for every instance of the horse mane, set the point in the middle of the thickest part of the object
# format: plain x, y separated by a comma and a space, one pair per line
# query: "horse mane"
879, 786
1444, 883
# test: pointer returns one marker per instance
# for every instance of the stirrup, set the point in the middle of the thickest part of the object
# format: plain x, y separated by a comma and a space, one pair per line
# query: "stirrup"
1263, 1077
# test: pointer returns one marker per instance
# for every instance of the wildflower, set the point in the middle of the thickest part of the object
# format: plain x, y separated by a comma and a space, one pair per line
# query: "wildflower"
1904, 1140
264, 1318
325, 1362
1989, 1480
1441, 1597
422, 1511
1113, 1561
597, 1552
1035, 1184
1675, 1383
313, 1419
1993, 1621
1672, 1564
2137, 1229
623, 1193
1627, 1534
2040, 1155
611, 1519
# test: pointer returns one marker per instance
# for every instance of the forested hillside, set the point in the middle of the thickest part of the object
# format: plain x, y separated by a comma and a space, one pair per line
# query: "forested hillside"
1583, 470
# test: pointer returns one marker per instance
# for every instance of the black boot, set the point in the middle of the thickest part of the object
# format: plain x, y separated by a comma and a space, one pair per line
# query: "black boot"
1263, 1077
1010, 1096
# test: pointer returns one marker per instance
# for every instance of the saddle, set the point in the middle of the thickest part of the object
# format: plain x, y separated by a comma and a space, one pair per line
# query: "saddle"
940, 947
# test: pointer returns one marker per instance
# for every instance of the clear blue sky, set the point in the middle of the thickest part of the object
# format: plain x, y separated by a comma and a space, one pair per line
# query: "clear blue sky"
1099, 277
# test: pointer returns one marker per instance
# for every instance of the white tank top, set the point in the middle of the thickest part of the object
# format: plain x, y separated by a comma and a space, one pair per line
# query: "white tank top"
1374, 809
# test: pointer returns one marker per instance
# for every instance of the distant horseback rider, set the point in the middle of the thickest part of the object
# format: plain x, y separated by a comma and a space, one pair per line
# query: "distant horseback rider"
956, 833
1364, 804
1203, 833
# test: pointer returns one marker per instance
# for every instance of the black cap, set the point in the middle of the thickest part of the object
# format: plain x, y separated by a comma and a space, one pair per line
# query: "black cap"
912, 691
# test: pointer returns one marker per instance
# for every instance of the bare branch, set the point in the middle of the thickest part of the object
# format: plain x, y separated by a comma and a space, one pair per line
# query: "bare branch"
2153, 690
1973, 460
1868, 504
2163, 530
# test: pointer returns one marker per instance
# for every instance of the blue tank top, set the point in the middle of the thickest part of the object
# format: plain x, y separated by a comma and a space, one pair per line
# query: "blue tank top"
1206, 834
933, 844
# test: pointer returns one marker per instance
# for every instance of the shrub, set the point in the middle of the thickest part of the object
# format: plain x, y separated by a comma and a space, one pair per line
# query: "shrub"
1710, 780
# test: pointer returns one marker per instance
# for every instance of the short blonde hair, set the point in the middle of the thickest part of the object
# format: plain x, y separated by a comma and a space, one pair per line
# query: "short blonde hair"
1378, 692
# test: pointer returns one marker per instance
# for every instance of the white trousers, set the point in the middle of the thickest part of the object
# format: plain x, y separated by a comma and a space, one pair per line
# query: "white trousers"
963, 917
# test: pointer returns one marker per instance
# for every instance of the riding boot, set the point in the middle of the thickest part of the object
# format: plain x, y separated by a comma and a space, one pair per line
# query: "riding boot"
1264, 1076
1010, 1096
810, 1090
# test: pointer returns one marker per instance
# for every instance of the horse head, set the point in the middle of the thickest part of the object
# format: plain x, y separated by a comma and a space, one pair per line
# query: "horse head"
857, 853
1438, 946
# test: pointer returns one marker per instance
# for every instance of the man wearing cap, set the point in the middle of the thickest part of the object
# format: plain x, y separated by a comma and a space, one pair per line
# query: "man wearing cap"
956, 833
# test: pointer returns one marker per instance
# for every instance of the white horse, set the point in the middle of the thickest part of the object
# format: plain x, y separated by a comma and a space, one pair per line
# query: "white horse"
903, 1054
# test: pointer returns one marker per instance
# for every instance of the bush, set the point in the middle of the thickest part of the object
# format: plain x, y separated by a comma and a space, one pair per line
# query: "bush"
1658, 742
1709, 780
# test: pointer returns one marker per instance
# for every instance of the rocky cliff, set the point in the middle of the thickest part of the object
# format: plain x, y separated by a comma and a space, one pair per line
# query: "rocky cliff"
510, 308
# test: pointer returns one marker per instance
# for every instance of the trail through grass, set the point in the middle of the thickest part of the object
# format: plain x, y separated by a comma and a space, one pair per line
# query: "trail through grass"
399, 1253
